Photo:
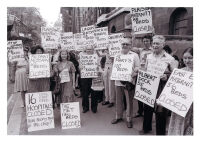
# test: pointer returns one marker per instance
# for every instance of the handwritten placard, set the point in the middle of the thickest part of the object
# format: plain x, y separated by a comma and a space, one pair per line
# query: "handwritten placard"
39, 111
122, 68
15, 50
79, 41
89, 66
177, 95
97, 83
115, 41
141, 20
101, 36
39, 66
67, 41
88, 35
64, 76
147, 87
50, 37
70, 115
156, 67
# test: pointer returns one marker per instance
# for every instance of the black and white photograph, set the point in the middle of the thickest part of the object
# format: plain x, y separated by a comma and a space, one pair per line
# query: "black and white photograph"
100, 70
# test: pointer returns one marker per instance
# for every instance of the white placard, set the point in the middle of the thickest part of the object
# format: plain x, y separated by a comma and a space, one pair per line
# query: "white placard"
177, 95
101, 36
88, 35
156, 67
67, 41
39, 111
79, 41
39, 66
70, 115
64, 76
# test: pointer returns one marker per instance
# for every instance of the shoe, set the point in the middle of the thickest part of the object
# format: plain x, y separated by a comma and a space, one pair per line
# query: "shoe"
138, 115
58, 105
85, 110
94, 110
115, 121
105, 103
129, 124
142, 132
22, 106
111, 105
79, 96
99, 101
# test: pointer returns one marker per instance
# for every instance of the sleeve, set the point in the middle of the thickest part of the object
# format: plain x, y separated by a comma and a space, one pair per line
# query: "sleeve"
137, 63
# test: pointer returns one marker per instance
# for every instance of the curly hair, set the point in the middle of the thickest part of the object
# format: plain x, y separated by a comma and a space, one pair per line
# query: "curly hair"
35, 48
60, 58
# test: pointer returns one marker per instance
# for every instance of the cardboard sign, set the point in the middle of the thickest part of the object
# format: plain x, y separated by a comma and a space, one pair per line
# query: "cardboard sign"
115, 41
39, 111
39, 66
79, 41
15, 50
67, 41
97, 83
141, 20
101, 36
147, 87
89, 66
50, 37
156, 67
88, 35
70, 115
122, 68
64, 76
177, 95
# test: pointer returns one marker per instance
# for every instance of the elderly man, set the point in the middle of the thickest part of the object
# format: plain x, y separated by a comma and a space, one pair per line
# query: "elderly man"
159, 54
126, 88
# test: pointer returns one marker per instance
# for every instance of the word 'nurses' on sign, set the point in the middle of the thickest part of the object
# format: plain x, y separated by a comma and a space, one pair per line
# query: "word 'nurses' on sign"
70, 115
50, 37
79, 41
101, 35
141, 20
67, 41
15, 50
147, 87
122, 68
89, 64
39, 111
115, 41
39, 66
88, 35
178, 92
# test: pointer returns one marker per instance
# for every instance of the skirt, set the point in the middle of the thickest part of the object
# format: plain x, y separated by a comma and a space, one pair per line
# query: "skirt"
21, 80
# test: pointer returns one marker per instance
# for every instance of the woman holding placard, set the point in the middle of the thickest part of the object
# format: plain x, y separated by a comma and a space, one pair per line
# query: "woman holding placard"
21, 80
66, 71
179, 125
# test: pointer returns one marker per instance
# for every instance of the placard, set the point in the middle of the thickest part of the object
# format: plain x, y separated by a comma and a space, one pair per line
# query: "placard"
67, 41
89, 66
39, 111
177, 95
88, 35
64, 76
15, 50
141, 20
70, 115
39, 66
122, 68
101, 36
156, 67
79, 41
147, 87
115, 41
50, 37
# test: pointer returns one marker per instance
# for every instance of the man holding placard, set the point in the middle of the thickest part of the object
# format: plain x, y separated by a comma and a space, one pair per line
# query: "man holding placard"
162, 64
124, 73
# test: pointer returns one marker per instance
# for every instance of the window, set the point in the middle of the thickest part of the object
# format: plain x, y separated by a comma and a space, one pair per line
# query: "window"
113, 30
179, 22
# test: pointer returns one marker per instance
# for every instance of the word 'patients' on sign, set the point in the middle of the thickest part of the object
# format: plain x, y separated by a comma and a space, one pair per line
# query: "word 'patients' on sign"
89, 66
177, 94
141, 20
147, 87
115, 43
122, 68
39, 111
50, 37
39, 66
67, 41
70, 115
15, 50
156, 67
101, 35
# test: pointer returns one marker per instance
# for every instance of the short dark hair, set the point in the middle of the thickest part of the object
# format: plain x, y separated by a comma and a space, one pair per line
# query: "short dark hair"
147, 37
167, 49
35, 48
189, 50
